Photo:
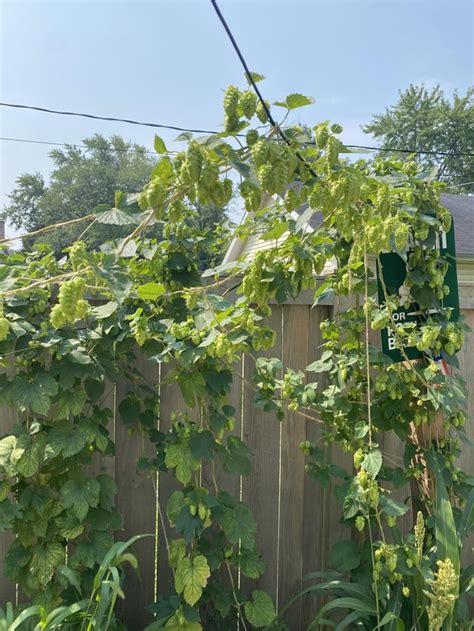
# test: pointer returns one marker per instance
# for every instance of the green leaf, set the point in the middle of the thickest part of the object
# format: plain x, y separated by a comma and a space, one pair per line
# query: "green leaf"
163, 170
238, 523
35, 394
185, 136
159, 145
174, 505
70, 403
108, 490
191, 577
372, 462
70, 527
151, 291
67, 439
177, 552
117, 217
236, 459
320, 365
390, 617
201, 444
392, 507
8, 513
7, 447
179, 456
104, 311
79, 496
344, 556
30, 461
446, 536
255, 76
45, 558
191, 386
293, 101
277, 230
360, 429
251, 564
260, 611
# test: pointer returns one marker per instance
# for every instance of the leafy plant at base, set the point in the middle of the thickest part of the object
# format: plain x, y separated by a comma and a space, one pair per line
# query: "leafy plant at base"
94, 612
149, 294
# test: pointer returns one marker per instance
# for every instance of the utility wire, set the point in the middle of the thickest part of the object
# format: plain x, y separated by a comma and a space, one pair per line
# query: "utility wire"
74, 145
104, 118
252, 81
196, 131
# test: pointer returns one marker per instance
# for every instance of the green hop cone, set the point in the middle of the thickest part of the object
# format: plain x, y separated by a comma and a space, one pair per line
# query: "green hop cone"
265, 176
261, 114
260, 152
194, 160
231, 100
156, 194
231, 123
252, 137
248, 103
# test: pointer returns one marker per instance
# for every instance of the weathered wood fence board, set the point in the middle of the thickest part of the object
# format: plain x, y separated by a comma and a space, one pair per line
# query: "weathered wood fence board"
260, 490
297, 519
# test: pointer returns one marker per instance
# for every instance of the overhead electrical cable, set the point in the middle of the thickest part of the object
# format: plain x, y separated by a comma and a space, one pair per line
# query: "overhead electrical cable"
191, 130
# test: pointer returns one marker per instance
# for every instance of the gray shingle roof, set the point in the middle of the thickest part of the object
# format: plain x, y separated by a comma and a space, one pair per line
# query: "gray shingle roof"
461, 208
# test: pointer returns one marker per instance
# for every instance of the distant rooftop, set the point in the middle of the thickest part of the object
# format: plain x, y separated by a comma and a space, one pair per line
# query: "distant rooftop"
461, 208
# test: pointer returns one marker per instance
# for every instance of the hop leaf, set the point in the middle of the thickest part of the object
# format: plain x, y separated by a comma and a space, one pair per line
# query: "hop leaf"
36, 394
180, 456
80, 496
372, 463
293, 101
260, 611
46, 557
191, 577
239, 523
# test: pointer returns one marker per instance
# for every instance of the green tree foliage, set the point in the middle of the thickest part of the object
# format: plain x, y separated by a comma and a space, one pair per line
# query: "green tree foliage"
428, 120
83, 180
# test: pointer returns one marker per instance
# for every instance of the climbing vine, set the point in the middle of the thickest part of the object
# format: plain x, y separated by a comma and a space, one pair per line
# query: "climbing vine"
70, 329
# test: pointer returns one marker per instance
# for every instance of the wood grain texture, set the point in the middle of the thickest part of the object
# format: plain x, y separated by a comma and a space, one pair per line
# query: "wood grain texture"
292, 474
136, 501
315, 495
261, 432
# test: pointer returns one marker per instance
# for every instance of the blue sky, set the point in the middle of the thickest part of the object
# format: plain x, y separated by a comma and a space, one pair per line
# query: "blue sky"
170, 61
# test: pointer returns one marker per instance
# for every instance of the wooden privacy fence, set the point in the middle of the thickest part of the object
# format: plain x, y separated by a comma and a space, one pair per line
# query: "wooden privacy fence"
297, 519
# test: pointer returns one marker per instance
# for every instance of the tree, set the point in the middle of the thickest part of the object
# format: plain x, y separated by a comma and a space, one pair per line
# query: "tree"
80, 181
427, 120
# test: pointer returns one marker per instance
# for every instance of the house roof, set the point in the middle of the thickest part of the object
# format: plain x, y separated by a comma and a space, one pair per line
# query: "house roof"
461, 208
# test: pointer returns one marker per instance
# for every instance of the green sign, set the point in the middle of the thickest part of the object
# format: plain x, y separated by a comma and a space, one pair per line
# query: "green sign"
393, 271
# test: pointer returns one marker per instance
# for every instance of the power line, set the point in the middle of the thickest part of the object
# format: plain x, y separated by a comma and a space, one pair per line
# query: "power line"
252, 81
105, 118
449, 154
74, 145
196, 131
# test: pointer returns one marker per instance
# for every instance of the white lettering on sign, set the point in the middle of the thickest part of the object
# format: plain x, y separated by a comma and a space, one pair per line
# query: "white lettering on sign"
398, 316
